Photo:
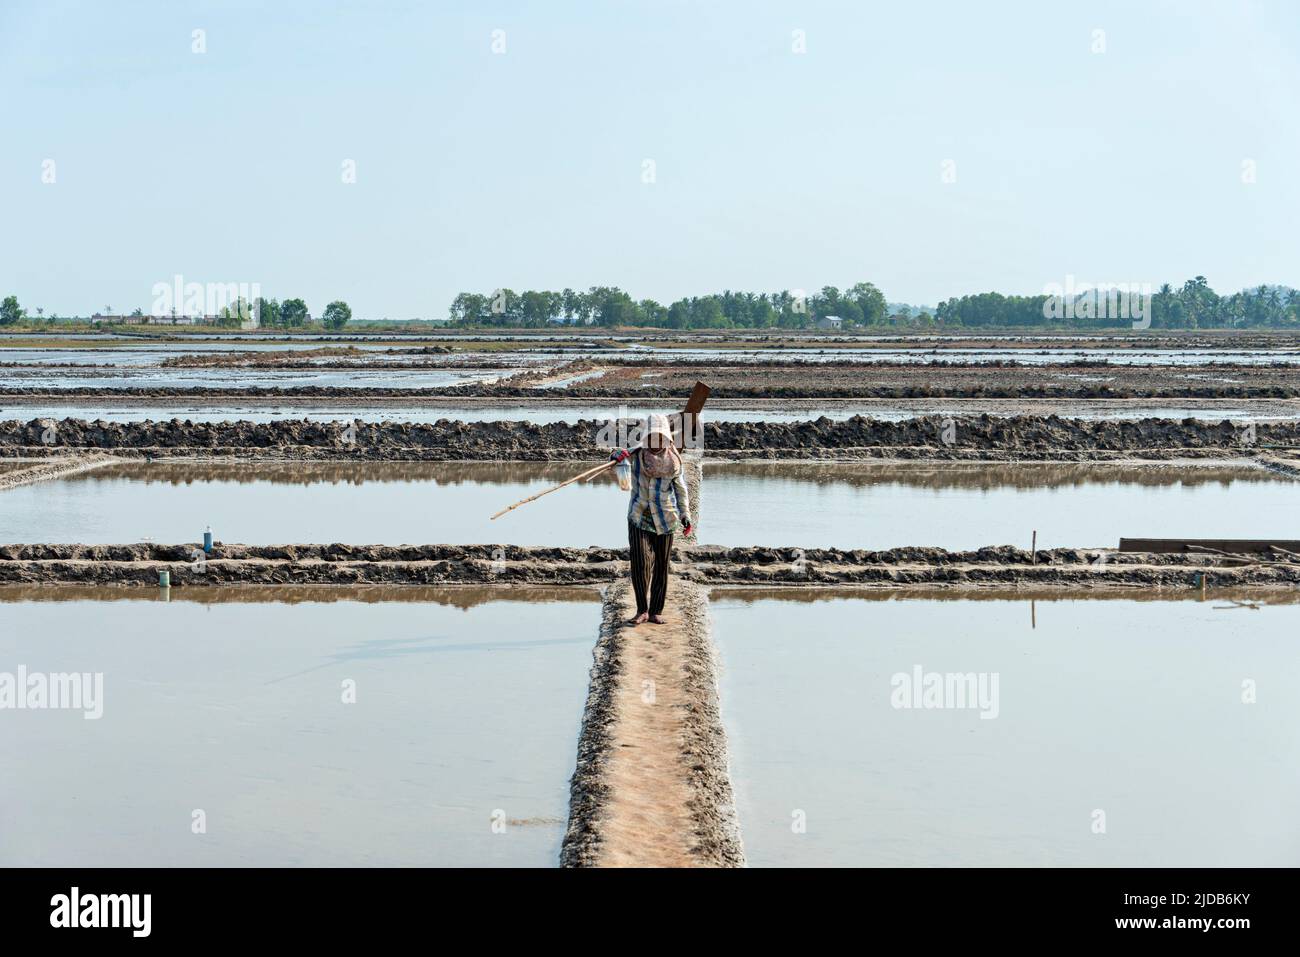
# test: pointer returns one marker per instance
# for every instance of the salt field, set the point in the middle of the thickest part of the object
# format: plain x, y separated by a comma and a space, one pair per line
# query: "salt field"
845, 505
343, 729
1098, 732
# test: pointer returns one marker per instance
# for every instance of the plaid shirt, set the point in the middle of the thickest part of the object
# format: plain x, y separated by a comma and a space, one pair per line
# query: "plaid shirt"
659, 505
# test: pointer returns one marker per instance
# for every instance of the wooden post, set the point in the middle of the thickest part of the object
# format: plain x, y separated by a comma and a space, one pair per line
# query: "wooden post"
1033, 559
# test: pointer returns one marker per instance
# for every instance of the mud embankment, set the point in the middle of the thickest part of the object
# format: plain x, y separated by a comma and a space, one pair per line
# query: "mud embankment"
323, 357
943, 378
337, 564
929, 437
652, 787
52, 469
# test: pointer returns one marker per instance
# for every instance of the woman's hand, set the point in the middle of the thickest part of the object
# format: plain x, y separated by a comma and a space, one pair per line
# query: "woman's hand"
688, 528
618, 455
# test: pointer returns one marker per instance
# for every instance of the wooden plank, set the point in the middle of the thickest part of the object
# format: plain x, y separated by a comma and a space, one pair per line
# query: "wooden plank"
1234, 545
690, 416
699, 395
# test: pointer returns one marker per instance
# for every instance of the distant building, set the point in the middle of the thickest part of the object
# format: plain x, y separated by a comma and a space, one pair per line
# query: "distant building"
102, 319
829, 322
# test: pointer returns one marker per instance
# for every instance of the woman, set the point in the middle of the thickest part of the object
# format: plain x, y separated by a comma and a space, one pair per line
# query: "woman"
660, 507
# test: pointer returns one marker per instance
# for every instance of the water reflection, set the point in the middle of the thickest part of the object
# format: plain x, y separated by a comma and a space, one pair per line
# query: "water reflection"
345, 473
463, 597
314, 727
843, 505
980, 476
800, 594
1142, 708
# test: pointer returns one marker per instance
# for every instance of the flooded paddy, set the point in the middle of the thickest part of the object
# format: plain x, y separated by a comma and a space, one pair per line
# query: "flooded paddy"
845, 505
1120, 729
231, 707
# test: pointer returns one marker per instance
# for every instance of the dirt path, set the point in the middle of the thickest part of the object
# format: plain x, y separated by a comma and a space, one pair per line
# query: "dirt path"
651, 787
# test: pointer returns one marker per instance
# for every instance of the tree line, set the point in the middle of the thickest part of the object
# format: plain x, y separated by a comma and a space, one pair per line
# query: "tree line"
272, 313
863, 304
293, 314
1194, 305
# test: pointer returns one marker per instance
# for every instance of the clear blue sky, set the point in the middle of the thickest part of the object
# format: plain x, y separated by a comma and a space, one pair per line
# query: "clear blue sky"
774, 170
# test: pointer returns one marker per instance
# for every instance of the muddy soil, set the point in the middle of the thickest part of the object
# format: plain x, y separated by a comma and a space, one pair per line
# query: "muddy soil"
24, 473
924, 437
938, 338
305, 564
323, 358
948, 379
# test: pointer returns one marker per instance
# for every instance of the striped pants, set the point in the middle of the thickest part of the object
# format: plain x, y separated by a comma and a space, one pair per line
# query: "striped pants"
649, 553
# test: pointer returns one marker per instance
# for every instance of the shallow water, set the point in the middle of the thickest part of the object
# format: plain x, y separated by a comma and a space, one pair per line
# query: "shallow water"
961, 506
141, 359
232, 705
846, 505
1132, 708
152, 377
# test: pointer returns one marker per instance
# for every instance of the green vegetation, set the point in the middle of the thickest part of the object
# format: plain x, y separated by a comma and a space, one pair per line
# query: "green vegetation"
293, 313
10, 312
862, 307
610, 307
337, 314
290, 314
1193, 306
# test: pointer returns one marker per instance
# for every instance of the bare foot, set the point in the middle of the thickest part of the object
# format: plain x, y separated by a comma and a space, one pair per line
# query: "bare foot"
639, 619
656, 619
